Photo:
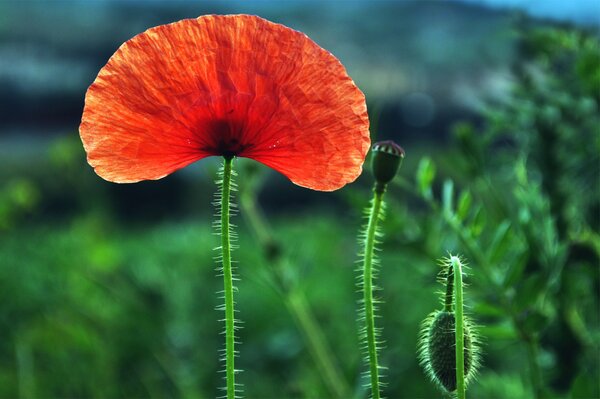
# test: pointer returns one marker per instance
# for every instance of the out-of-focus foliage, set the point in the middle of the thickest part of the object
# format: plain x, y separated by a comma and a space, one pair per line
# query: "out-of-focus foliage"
526, 214
17, 198
103, 296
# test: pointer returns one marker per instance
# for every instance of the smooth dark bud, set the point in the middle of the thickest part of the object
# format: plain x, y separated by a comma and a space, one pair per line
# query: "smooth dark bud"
387, 158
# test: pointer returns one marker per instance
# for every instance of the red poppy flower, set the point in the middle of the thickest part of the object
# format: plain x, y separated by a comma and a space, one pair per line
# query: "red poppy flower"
231, 86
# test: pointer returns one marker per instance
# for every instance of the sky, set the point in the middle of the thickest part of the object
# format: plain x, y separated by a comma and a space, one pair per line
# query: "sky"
586, 12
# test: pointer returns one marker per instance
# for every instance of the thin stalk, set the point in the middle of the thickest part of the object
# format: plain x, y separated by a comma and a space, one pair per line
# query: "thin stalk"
536, 375
228, 280
254, 217
296, 303
531, 343
320, 351
459, 328
368, 291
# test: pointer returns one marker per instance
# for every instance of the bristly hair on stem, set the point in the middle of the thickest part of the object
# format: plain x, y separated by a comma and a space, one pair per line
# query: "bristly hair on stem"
462, 352
439, 346
224, 210
385, 162
369, 335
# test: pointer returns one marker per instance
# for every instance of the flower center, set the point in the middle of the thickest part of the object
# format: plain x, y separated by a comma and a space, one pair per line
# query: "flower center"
227, 138
230, 147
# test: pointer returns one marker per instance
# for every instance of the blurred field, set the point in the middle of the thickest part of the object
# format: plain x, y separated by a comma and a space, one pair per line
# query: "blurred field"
109, 291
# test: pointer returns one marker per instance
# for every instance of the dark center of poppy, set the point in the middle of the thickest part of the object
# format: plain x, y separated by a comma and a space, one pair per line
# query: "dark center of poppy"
227, 138
230, 147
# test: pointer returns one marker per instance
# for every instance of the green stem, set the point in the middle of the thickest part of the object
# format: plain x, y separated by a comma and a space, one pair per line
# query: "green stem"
254, 217
459, 328
295, 301
368, 291
476, 253
228, 279
535, 372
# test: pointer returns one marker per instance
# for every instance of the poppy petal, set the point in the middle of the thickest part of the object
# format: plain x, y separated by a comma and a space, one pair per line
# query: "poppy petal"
225, 85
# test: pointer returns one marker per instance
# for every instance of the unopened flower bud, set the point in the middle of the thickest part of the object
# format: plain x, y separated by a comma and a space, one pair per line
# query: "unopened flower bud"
437, 353
387, 158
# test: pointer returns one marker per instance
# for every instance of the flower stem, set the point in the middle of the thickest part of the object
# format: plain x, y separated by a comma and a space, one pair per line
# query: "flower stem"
459, 328
475, 252
295, 300
228, 279
320, 351
370, 330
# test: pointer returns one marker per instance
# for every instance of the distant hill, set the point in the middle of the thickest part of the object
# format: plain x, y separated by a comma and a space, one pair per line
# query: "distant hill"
423, 63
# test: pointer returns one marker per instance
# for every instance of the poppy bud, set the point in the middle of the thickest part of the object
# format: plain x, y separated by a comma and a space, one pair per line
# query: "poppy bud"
437, 353
387, 158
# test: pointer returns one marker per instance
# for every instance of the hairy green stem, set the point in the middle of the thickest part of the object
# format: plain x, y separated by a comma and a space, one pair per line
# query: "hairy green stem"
228, 279
368, 291
475, 252
459, 328
531, 342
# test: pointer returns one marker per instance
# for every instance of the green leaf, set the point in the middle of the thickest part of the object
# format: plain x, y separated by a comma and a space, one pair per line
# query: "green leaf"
464, 205
529, 291
535, 321
504, 331
499, 246
478, 223
447, 197
585, 386
425, 176
488, 309
515, 270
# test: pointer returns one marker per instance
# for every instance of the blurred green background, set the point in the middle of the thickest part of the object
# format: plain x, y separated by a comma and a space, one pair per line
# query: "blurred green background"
109, 291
